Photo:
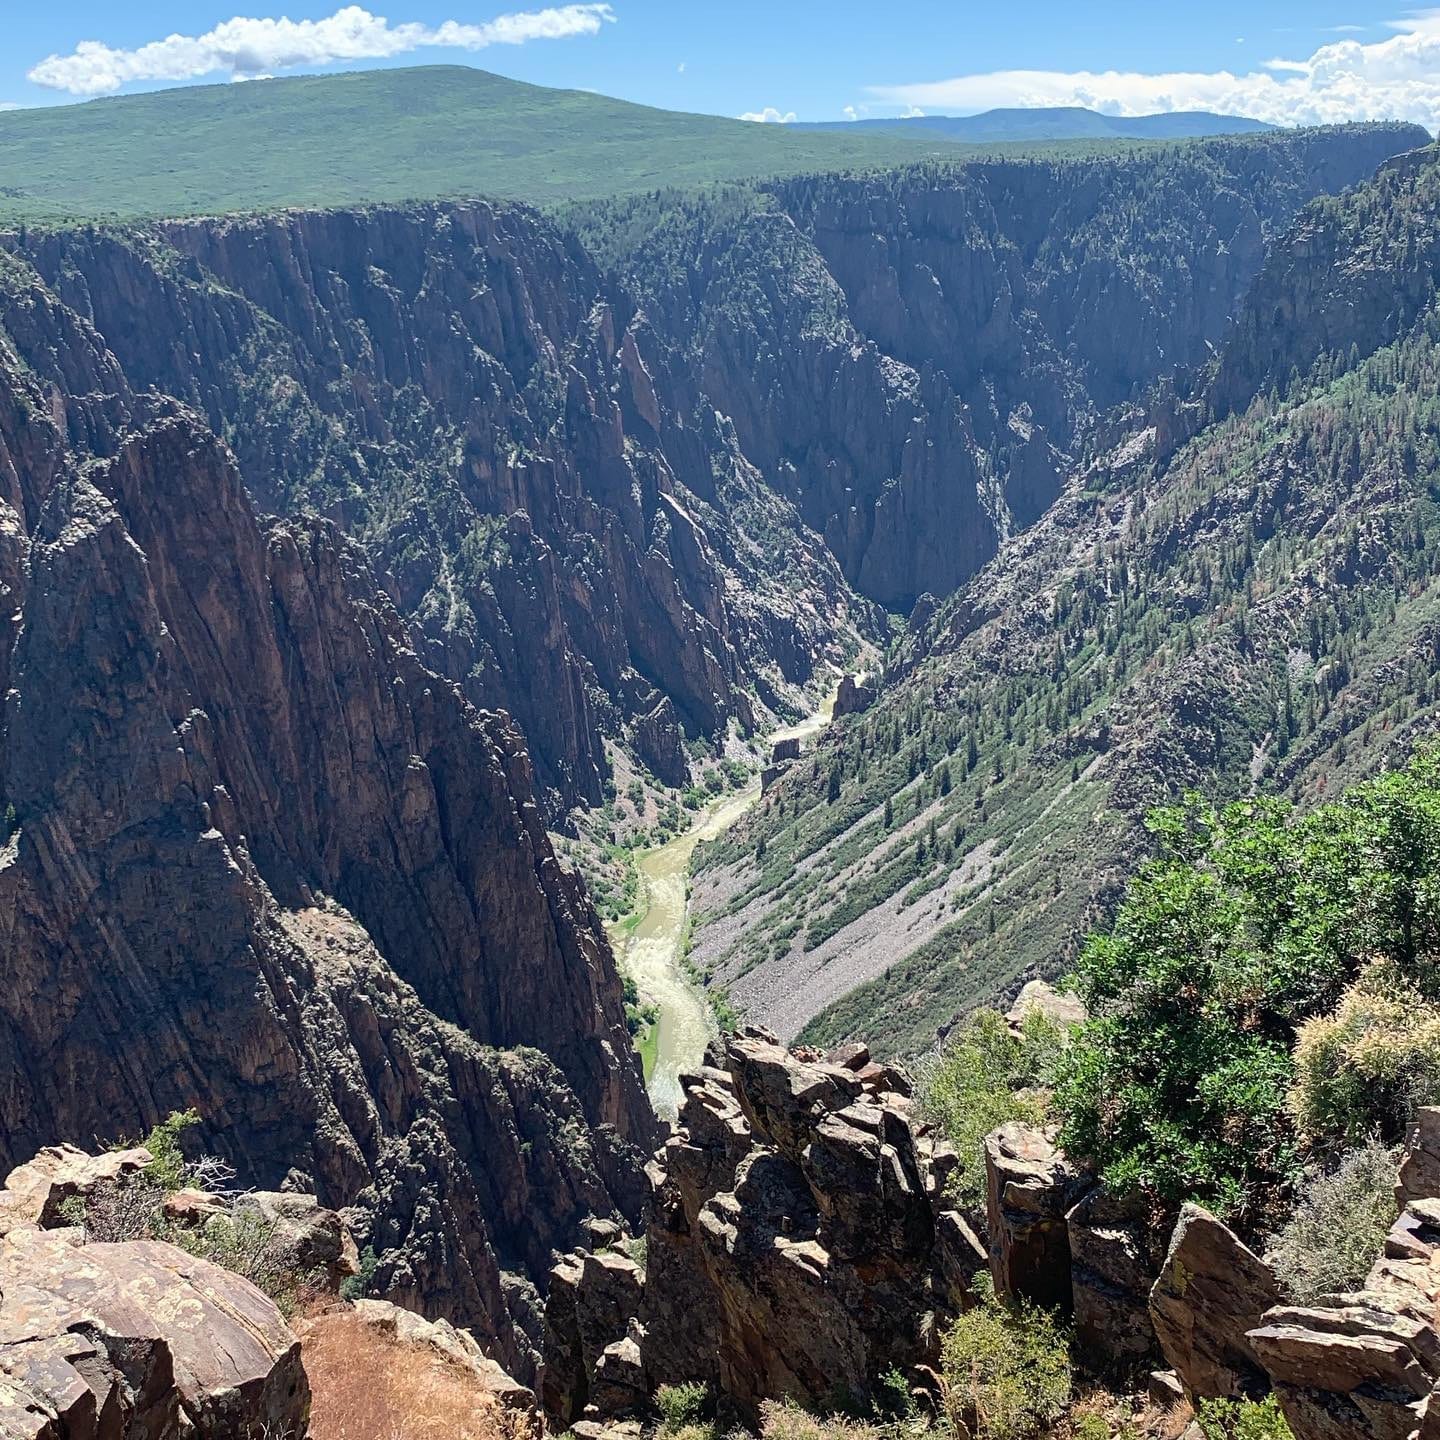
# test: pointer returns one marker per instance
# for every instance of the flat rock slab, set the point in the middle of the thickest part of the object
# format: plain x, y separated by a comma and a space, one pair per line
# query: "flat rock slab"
141, 1332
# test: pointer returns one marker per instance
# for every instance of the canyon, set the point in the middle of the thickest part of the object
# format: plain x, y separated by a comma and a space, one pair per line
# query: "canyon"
349, 555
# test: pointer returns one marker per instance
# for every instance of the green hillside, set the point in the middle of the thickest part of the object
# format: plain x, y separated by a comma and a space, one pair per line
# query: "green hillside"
387, 135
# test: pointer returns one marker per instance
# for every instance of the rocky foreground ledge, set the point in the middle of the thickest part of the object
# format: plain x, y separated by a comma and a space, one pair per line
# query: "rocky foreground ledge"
800, 1244
140, 1339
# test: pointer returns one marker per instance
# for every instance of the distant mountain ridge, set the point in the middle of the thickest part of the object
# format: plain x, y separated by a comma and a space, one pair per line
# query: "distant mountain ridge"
444, 132
383, 137
1052, 122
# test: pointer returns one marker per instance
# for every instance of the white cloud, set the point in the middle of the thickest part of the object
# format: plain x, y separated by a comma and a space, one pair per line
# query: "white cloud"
247, 47
1395, 78
8, 105
850, 113
769, 116
680, 68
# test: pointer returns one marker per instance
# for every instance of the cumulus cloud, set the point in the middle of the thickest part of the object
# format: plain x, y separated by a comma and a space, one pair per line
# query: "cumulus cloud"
249, 47
768, 116
1397, 77
8, 105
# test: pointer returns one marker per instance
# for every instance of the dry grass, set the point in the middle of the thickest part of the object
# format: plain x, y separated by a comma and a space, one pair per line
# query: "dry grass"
367, 1386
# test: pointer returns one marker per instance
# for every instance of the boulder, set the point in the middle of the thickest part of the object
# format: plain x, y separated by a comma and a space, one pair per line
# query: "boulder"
1111, 1274
601, 1234
1030, 1187
309, 1240
1363, 1364
959, 1257
1037, 998
36, 1192
784, 1098
864, 1174
142, 1340
618, 1386
1211, 1292
1351, 1372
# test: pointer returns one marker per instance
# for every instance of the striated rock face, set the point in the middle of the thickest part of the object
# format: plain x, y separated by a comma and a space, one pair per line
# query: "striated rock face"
913, 357
1211, 1294
1112, 1271
1419, 1177
797, 1245
270, 866
458, 388
139, 1340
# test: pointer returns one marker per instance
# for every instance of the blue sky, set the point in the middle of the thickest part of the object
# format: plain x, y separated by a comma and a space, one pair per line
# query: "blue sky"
1284, 60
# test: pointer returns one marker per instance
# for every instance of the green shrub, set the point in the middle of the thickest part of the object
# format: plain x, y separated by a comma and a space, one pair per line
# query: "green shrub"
1249, 922
1243, 1420
1091, 1426
168, 1169
1339, 1225
978, 1081
1366, 1067
1007, 1372
357, 1287
893, 1400
684, 1405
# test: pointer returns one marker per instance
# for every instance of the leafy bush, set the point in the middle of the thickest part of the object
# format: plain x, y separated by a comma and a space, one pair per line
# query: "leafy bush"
1339, 1225
132, 1208
357, 1286
116, 1211
168, 1169
1243, 1420
1366, 1067
682, 1406
1006, 1371
1249, 922
978, 1081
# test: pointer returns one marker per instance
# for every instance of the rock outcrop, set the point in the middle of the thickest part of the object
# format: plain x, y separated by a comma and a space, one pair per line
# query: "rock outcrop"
139, 1341
798, 1244
269, 865
1112, 1272
1030, 1190
1419, 1177
1211, 1293
1364, 1364
458, 1347
35, 1193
